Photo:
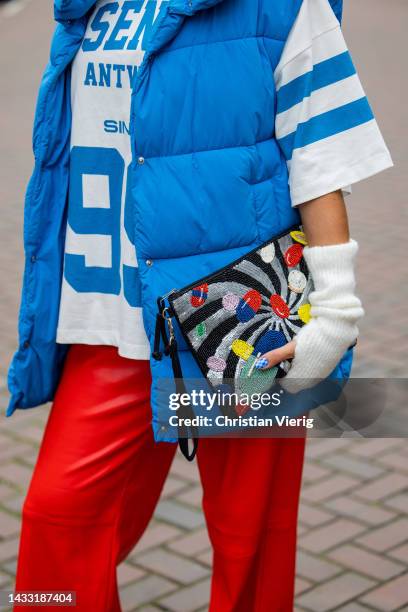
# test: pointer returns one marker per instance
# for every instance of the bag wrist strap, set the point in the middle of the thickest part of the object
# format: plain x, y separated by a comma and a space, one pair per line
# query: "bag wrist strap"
183, 411
171, 348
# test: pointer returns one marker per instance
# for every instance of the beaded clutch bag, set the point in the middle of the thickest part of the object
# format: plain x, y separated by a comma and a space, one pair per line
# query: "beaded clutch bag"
255, 304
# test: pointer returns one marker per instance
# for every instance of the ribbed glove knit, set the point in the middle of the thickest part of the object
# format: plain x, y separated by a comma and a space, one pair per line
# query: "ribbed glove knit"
335, 310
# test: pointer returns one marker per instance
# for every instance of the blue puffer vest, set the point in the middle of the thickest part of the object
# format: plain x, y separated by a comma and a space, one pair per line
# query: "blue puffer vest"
213, 184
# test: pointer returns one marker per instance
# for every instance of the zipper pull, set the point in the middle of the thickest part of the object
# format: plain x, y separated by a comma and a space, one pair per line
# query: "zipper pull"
159, 331
169, 339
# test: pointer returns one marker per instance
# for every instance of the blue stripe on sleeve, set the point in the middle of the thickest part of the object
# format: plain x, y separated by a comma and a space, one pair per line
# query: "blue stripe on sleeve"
327, 124
324, 73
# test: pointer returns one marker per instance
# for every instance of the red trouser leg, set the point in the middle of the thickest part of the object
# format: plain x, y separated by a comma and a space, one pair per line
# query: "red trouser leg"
251, 495
96, 482
98, 477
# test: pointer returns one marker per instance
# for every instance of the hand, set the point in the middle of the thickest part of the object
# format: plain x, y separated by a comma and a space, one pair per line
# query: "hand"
316, 351
321, 343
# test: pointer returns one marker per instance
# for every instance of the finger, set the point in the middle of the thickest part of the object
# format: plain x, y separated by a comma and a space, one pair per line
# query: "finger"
270, 359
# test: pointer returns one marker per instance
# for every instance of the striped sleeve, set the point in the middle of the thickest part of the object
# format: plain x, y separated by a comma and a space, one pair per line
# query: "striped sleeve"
324, 123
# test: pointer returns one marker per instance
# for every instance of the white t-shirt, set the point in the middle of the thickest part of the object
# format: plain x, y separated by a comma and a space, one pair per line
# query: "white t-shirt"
100, 298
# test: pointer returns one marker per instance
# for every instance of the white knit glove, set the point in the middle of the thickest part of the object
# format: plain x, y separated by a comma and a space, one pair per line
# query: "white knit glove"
335, 309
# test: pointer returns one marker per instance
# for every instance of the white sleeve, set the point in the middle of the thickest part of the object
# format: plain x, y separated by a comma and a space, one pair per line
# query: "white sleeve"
324, 123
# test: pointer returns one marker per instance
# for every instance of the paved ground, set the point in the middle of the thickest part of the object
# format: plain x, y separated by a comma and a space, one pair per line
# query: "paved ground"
353, 544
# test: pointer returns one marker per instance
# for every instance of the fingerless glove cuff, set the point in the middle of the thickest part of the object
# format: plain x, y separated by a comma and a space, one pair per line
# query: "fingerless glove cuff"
332, 271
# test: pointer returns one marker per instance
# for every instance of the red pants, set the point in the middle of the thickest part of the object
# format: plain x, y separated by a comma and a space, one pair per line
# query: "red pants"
99, 475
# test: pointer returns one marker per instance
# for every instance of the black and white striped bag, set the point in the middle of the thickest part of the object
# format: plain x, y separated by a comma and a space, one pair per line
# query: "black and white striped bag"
255, 304
228, 319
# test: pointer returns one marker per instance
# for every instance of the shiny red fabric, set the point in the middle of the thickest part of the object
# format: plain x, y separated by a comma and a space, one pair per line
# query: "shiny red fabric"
99, 475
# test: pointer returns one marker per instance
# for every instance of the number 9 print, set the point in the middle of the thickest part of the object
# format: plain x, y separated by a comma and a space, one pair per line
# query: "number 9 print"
101, 221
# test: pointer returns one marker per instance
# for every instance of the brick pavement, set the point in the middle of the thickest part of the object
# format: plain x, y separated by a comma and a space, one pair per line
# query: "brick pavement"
353, 530
353, 527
